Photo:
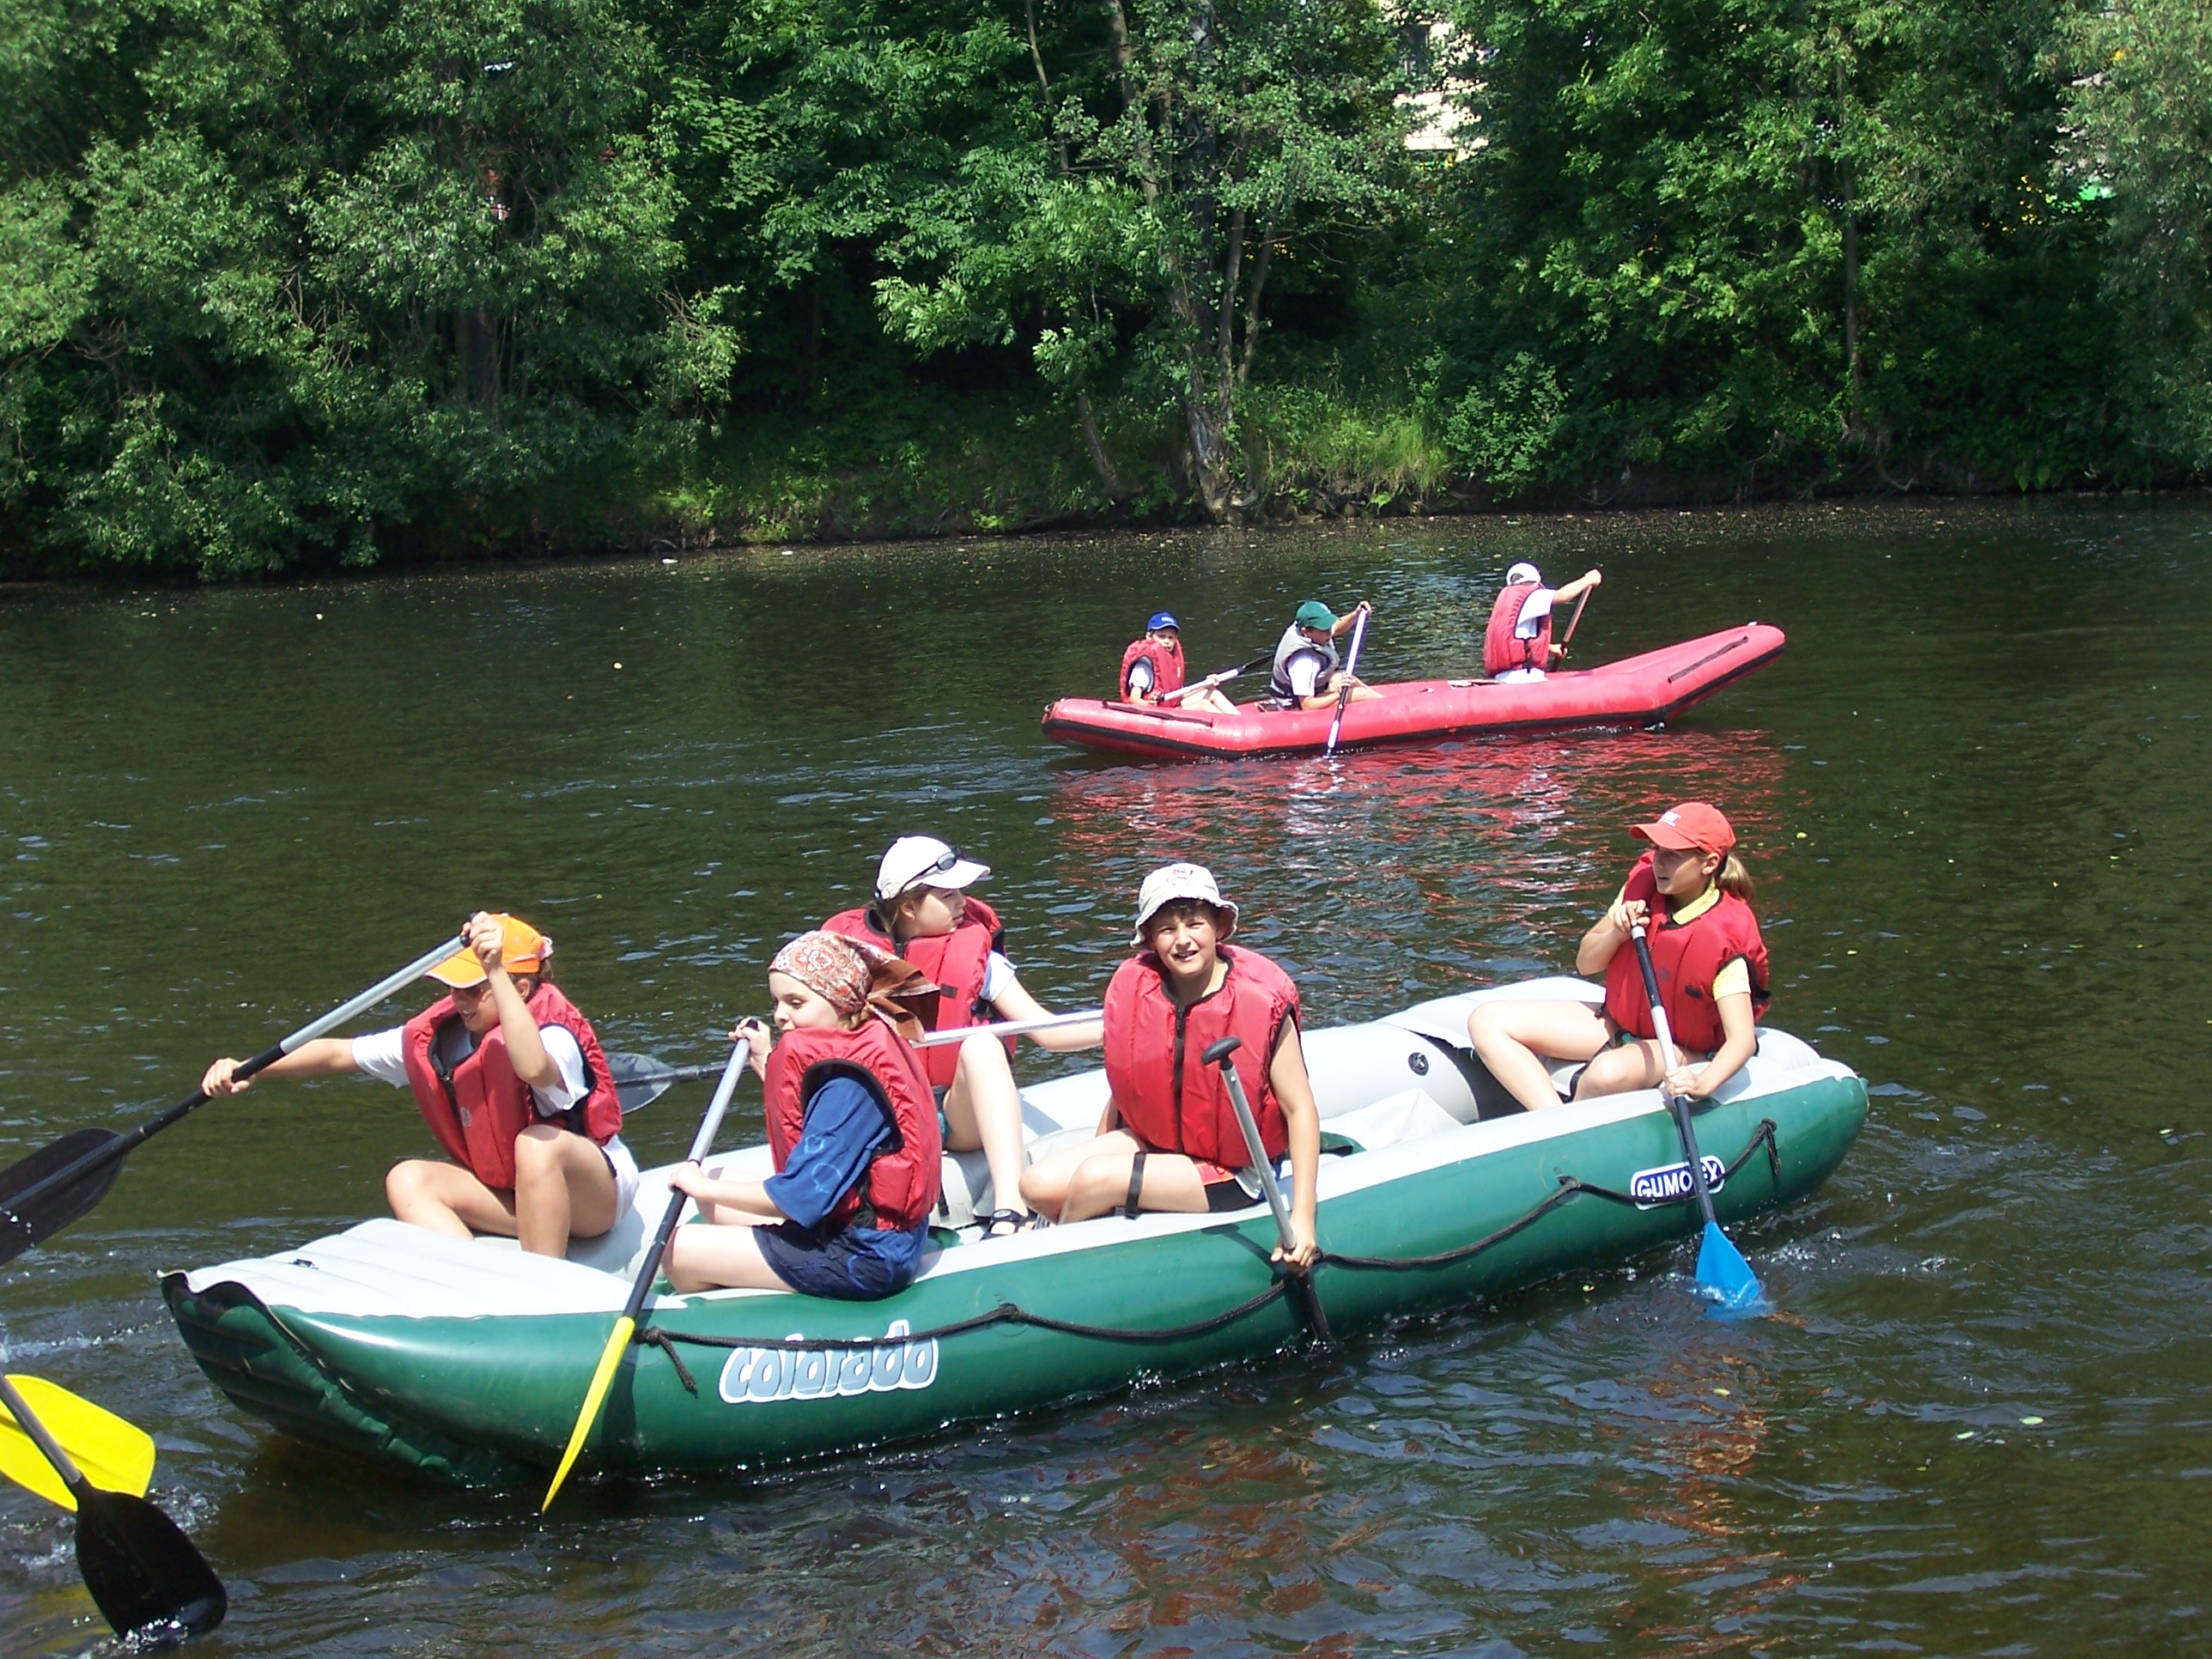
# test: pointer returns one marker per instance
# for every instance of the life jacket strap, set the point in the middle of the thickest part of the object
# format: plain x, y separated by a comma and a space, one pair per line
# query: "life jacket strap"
1129, 1206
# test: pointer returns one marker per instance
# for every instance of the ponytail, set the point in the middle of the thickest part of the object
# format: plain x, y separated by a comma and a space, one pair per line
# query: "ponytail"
1733, 879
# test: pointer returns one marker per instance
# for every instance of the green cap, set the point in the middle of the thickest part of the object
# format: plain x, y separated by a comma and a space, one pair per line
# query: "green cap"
1314, 614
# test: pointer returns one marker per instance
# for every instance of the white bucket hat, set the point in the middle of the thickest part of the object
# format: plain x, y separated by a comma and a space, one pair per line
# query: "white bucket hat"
1171, 882
924, 862
1524, 572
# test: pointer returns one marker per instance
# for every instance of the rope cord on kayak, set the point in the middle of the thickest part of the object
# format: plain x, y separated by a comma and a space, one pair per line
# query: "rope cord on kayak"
1569, 1186
1008, 1313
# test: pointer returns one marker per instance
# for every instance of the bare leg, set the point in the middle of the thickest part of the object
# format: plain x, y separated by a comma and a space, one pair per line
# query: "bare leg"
1212, 702
446, 1199
1516, 1038
563, 1188
1100, 1183
984, 1110
703, 1258
1631, 1065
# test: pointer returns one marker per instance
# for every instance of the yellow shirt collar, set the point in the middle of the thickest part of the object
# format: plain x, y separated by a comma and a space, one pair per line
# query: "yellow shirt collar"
1697, 907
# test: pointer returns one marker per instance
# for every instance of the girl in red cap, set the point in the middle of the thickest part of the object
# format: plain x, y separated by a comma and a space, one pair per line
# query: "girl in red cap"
1692, 896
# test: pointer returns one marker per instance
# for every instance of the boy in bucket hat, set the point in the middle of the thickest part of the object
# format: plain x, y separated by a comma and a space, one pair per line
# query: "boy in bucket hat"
1692, 896
1168, 1138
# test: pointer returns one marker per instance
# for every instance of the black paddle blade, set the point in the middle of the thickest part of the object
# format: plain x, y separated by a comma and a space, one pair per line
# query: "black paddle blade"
147, 1579
24, 1225
639, 1079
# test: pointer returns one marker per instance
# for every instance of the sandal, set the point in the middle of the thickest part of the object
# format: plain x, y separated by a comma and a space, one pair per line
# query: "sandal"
1014, 1221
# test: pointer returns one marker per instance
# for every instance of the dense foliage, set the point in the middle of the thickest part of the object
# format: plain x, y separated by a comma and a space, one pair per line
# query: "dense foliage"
340, 279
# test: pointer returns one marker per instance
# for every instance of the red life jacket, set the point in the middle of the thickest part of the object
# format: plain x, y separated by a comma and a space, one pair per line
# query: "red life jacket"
957, 961
478, 1109
900, 1186
1503, 650
1167, 667
1167, 1096
1688, 959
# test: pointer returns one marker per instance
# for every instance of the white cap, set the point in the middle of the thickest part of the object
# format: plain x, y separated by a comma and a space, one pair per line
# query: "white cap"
924, 862
1524, 572
1171, 882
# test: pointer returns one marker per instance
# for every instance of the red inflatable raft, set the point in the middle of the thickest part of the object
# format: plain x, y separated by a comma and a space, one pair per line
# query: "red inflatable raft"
1645, 691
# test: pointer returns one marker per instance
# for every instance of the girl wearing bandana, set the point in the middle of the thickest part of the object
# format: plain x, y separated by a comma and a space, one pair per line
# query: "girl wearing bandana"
853, 1129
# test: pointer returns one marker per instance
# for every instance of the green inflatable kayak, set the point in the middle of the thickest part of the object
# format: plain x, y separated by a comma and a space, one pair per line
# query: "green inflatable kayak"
470, 1359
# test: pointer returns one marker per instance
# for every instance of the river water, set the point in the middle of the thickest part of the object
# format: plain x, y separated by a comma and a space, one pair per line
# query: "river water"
1974, 792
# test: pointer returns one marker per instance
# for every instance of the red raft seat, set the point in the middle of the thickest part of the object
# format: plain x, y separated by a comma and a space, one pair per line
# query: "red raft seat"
1637, 691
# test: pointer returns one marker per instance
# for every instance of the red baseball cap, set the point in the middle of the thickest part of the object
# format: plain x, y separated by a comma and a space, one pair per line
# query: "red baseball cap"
1692, 823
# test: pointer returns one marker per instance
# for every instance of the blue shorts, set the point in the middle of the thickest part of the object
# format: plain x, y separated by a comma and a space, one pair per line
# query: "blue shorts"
853, 1264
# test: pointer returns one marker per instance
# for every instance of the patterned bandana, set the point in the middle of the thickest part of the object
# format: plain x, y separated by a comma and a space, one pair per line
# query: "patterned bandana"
831, 967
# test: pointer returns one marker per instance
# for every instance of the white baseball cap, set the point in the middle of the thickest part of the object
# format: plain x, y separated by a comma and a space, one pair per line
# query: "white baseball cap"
924, 862
1524, 572
1171, 882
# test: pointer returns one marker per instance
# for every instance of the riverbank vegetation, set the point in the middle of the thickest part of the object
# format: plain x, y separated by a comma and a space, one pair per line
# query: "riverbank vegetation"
339, 280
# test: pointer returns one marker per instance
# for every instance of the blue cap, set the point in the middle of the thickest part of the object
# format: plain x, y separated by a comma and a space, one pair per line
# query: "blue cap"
1162, 619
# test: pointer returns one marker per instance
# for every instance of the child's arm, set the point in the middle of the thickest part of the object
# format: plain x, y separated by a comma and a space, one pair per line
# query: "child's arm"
749, 1198
1740, 1040
1286, 1072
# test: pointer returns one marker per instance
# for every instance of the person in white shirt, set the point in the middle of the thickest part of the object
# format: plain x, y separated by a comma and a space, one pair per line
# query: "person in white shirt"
511, 1079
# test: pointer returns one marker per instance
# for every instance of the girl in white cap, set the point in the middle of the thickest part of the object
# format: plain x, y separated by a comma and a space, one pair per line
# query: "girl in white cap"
1518, 643
1168, 1138
921, 911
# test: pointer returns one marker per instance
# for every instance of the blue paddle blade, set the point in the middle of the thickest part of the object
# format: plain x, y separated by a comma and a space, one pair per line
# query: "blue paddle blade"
1724, 1275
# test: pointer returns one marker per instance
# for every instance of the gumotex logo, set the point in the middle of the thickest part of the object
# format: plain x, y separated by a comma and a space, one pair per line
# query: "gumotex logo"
762, 1376
1670, 1182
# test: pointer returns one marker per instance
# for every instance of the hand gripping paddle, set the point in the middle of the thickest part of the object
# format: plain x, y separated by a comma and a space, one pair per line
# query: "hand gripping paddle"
1301, 1284
41, 1194
1722, 1272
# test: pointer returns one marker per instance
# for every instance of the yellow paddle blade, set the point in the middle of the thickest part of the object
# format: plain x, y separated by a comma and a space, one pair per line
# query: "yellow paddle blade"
115, 1456
600, 1379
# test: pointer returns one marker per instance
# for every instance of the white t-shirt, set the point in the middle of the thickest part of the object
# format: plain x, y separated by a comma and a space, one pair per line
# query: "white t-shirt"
1534, 610
998, 974
1140, 677
1303, 669
383, 1055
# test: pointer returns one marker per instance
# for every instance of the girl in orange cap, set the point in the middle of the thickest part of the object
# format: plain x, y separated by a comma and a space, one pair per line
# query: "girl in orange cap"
511, 1079
1693, 894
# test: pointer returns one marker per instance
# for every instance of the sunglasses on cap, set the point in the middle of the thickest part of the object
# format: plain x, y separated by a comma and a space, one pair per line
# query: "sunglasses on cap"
949, 860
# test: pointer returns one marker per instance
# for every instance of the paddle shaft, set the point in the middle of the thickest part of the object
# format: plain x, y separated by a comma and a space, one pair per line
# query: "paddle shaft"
701, 1144
123, 1144
1343, 695
1308, 1298
1574, 621
1006, 1028
1212, 680
49, 1448
1675, 1104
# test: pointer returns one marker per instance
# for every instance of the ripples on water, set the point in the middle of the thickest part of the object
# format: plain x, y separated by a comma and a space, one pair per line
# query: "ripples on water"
1973, 793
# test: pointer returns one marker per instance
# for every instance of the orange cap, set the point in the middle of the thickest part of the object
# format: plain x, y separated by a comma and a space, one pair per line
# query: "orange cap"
1694, 824
522, 950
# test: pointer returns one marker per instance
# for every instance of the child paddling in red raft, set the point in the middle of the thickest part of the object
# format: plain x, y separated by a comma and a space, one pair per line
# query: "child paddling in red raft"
1168, 1138
853, 1129
1693, 894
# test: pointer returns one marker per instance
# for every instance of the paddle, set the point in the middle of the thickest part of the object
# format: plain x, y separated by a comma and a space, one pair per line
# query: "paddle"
146, 1578
41, 1194
1213, 680
639, 1079
626, 1327
1574, 621
1343, 695
113, 1455
1722, 1270
1006, 1028
1301, 1284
